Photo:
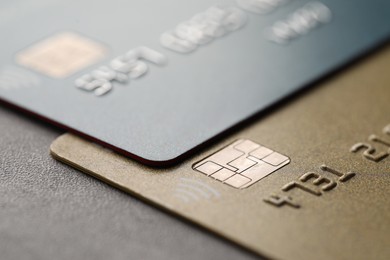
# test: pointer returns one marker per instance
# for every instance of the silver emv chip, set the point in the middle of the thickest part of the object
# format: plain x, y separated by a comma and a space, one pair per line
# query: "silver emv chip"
242, 164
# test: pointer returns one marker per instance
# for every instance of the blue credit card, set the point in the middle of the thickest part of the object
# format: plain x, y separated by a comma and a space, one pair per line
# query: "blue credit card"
156, 79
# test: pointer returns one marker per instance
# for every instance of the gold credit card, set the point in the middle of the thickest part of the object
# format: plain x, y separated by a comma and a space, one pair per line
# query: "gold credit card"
311, 180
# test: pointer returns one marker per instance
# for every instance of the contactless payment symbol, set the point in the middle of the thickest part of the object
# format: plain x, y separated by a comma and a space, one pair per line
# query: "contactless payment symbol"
242, 164
17, 78
188, 190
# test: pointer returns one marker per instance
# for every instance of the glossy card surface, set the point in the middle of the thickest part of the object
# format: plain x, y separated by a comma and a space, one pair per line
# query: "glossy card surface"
309, 181
156, 79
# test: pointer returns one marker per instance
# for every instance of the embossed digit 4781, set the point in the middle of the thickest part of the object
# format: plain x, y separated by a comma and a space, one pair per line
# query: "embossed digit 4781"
320, 185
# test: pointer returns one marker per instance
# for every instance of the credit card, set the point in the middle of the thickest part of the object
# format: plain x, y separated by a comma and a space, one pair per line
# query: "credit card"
156, 79
309, 181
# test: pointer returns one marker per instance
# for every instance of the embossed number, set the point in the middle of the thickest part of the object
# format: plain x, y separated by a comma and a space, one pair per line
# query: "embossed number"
369, 152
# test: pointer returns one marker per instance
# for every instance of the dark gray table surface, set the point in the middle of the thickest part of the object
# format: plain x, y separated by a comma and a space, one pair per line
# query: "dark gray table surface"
51, 211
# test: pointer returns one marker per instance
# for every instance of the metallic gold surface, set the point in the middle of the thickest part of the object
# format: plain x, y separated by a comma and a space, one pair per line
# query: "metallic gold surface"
330, 202
61, 55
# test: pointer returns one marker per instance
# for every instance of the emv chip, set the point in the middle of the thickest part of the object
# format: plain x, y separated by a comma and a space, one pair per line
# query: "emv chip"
61, 55
242, 164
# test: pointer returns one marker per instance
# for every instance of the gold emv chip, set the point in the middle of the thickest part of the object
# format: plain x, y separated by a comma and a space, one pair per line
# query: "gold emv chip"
61, 55
242, 164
